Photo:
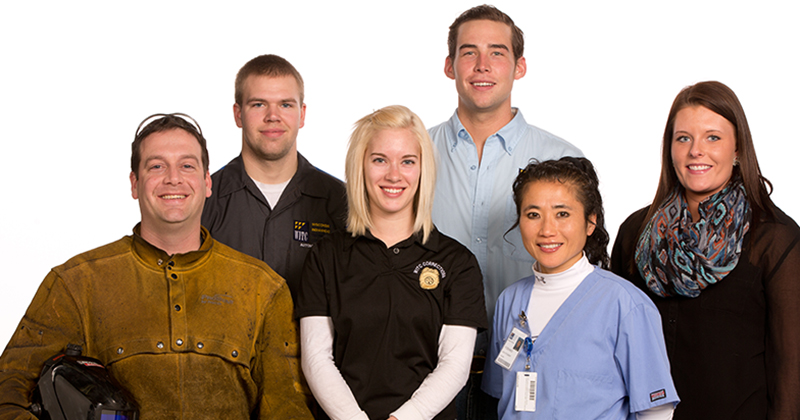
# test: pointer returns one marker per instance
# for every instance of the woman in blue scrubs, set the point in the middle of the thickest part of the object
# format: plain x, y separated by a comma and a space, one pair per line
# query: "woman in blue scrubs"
573, 341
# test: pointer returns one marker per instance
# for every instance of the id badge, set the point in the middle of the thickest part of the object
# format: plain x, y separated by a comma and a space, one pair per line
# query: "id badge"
511, 349
525, 395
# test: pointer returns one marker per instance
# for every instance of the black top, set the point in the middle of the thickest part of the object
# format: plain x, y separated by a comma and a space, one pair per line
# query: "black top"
388, 306
312, 205
735, 349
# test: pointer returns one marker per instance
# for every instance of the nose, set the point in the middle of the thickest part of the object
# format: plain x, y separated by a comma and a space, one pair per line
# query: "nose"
696, 148
173, 175
272, 114
481, 64
393, 174
547, 227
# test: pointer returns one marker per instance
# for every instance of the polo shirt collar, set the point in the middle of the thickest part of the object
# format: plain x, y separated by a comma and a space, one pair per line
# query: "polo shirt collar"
509, 135
416, 238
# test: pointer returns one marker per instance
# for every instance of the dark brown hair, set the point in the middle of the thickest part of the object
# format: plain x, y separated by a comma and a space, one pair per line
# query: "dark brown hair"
721, 100
267, 65
166, 122
486, 12
579, 174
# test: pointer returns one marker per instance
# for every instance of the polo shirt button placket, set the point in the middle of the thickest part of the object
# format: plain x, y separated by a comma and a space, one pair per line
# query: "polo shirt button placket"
396, 250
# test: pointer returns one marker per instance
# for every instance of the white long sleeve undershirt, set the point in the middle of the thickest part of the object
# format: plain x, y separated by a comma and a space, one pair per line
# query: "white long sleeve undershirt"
433, 395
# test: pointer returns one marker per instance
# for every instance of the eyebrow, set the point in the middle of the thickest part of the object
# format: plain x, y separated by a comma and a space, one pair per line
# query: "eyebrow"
491, 46
557, 206
182, 157
283, 101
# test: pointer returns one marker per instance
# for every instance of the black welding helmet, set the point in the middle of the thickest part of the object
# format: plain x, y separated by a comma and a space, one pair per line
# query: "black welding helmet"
74, 387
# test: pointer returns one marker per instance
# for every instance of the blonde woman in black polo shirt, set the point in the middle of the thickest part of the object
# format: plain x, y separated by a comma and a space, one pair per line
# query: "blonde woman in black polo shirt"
389, 309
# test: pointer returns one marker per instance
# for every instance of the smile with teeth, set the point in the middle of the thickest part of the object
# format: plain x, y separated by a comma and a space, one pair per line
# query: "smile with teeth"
549, 247
393, 190
699, 167
173, 196
482, 84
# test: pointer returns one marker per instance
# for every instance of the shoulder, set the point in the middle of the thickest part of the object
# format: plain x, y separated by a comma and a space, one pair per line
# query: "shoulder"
243, 266
227, 179
117, 249
552, 140
623, 291
316, 181
439, 133
633, 222
782, 229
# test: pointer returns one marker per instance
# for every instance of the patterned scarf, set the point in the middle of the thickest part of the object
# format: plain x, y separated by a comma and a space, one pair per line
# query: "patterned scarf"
678, 257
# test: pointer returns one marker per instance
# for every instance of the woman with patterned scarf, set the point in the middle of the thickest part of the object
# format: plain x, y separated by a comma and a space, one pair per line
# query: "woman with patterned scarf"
722, 264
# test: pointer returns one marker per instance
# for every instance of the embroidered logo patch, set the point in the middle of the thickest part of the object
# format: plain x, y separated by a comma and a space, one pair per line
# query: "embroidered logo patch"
429, 274
309, 232
301, 231
428, 278
658, 395
216, 299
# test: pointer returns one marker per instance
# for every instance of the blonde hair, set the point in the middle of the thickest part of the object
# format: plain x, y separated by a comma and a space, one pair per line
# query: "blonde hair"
390, 117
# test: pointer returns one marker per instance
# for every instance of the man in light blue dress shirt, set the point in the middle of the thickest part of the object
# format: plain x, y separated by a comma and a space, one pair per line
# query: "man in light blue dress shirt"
481, 149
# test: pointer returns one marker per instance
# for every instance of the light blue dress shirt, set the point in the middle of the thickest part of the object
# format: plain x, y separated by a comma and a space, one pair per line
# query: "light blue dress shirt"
474, 202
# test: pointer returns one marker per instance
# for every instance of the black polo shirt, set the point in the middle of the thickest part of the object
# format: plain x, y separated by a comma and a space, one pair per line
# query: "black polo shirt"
312, 205
388, 306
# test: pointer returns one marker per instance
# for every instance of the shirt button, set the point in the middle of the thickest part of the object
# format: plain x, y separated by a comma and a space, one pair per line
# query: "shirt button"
120, 350
473, 167
174, 276
199, 345
171, 263
478, 240
179, 342
160, 345
160, 261
235, 353
178, 308
396, 251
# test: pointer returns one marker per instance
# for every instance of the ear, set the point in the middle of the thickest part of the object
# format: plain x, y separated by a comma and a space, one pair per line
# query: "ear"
591, 224
448, 68
302, 116
208, 184
521, 68
134, 186
237, 115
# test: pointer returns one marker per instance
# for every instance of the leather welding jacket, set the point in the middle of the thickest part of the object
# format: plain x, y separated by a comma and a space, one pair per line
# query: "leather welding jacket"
312, 205
205, 334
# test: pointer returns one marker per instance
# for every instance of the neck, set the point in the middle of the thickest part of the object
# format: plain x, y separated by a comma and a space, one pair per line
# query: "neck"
392, 229
270, 171
482, 124
173, 240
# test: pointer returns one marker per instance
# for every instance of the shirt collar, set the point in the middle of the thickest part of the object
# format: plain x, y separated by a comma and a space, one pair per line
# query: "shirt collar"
156, 257
509, 135
416, 238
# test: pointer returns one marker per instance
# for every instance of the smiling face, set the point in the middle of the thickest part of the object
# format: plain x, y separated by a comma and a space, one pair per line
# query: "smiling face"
484, 67
553, 226
171, 186
703, 150
270, 116
391, 173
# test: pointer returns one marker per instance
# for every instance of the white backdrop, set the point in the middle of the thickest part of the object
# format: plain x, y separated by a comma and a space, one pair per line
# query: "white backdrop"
78, 77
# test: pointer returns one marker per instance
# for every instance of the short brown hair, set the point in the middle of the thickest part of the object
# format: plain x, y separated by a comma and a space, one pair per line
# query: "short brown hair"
486, 12
267, 65
166, 122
